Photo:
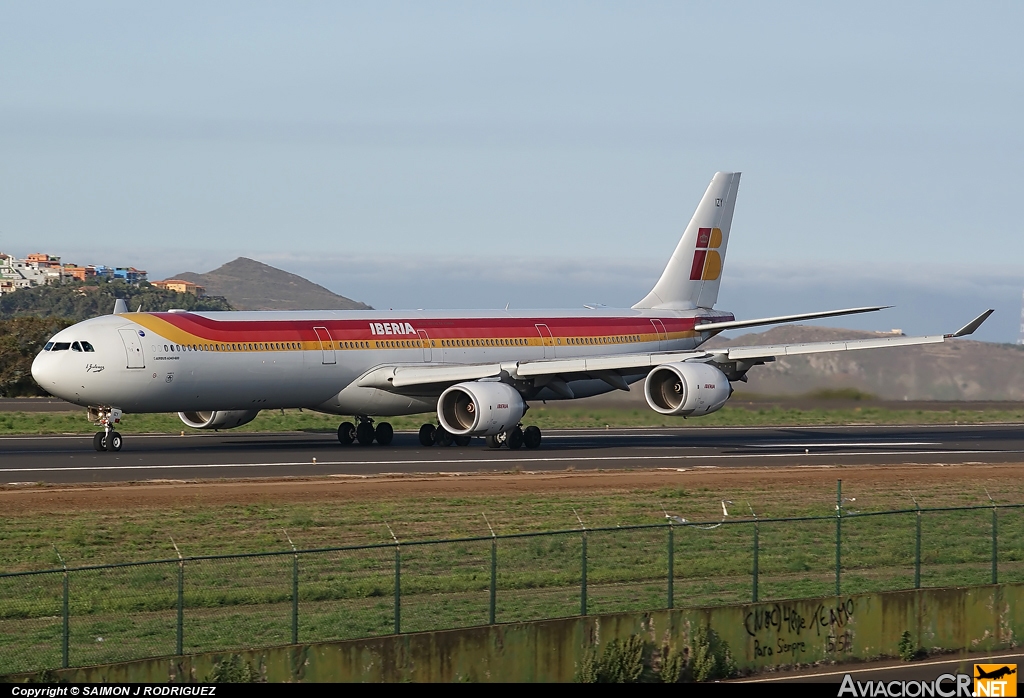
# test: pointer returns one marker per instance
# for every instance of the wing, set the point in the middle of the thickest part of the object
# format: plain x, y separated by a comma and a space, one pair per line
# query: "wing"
555, 374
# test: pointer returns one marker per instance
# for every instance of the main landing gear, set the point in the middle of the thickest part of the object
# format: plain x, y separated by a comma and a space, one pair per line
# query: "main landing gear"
365, 433
439, 436
516, 439
108, 439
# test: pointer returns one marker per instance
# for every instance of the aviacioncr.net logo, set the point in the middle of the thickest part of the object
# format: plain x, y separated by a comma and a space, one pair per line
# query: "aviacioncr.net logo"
945, 686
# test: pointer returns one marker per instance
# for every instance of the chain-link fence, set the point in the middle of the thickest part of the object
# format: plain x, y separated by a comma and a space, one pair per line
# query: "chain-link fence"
107, 613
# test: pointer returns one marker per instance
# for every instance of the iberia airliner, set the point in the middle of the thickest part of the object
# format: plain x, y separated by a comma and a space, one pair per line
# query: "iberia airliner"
477, 370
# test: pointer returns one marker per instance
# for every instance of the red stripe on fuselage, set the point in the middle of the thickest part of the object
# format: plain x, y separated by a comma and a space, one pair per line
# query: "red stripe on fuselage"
436, 328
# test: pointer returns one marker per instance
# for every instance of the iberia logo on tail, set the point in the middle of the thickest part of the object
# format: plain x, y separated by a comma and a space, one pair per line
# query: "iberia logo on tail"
707, 262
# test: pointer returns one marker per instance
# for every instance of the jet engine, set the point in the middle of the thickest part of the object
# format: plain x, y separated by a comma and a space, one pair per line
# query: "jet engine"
480, 408
687, 389
218, 420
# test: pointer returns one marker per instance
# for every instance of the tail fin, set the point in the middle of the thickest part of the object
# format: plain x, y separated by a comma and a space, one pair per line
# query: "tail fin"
693, 273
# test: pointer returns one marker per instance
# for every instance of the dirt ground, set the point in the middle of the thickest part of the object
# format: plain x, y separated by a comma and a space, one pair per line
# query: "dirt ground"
161, 494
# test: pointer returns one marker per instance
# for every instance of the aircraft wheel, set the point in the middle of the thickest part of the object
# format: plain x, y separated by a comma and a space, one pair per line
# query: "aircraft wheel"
384, 433
442, 437
99, 442
114, 441
346, 433
515, 439
463, 441
427, 435
492, 441
531, 437
364, 433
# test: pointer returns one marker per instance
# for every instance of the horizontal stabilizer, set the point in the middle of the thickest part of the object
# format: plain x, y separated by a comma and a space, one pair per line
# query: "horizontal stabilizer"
734, 324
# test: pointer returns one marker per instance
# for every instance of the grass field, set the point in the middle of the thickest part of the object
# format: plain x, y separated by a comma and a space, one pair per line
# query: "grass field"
130, 611
545, 417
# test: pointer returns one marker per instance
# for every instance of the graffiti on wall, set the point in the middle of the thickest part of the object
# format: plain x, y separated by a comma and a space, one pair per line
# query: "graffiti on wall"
786, 631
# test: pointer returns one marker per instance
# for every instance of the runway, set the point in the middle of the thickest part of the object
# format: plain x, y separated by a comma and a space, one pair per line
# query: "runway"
71, 459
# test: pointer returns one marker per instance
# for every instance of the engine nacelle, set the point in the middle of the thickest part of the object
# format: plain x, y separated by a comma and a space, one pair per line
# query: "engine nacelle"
480, 408
686, 389
218, 420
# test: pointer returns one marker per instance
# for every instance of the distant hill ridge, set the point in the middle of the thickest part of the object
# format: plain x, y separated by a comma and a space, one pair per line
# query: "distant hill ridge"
251, 285
959, 369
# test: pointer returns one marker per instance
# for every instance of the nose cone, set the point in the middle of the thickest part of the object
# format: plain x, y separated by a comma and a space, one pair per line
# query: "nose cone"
43, 372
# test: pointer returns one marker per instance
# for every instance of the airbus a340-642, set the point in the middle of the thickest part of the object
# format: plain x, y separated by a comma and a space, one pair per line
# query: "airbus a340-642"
477, 370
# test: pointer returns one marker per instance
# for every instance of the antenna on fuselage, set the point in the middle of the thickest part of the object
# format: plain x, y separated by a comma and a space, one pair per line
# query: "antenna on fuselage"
120, 307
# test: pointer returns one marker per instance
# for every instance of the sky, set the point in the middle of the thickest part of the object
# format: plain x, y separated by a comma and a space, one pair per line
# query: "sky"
541, 154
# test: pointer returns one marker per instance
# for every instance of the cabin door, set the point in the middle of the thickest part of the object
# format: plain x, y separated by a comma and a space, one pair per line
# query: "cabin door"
326, 345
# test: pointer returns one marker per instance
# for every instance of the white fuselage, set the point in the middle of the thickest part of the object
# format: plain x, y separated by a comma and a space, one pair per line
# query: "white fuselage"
181, 362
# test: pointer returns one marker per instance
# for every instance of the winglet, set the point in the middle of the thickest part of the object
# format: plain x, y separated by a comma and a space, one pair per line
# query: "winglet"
120, 307
972, 325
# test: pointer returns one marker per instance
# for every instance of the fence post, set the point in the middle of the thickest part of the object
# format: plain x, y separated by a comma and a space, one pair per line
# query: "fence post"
583, 576
398, 582
583, 565
671, 565
756, 551
295, 589
995, 545
65, 625
839, 533
180, 633
494, 571
494, 578
65, 629
917, 552
178, 646
295, 599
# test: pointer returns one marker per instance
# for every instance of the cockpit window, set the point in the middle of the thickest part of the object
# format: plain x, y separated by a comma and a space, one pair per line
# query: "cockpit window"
75, 346
48, 346
87, 347
60, 346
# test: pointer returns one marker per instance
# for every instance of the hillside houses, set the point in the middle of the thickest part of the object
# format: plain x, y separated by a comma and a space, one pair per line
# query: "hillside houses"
40, 269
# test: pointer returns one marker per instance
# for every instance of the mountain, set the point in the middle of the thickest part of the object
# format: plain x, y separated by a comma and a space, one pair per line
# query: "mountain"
960, 369
251, 285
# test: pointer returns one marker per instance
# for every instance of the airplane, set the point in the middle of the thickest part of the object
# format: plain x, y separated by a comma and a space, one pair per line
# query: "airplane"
995, 674
478, 371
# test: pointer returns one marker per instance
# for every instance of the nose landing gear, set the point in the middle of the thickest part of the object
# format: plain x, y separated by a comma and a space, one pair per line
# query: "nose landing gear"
108, 439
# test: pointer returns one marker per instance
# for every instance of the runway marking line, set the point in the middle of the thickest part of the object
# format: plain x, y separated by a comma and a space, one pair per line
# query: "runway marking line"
428, 463
556, 433
854, 670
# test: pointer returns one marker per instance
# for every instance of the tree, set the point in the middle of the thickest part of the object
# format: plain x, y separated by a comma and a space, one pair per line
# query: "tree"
20, 340
79, 301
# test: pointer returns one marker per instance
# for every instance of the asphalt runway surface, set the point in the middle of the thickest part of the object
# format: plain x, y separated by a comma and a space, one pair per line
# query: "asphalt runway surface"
201, 455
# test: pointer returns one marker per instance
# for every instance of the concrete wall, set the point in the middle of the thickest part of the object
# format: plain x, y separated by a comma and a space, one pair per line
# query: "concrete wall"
760, 635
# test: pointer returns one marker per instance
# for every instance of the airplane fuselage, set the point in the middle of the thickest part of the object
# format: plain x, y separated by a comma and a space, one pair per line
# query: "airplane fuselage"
183, 362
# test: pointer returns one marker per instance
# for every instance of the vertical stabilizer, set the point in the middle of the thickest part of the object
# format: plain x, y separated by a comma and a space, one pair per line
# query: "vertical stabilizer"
692, 276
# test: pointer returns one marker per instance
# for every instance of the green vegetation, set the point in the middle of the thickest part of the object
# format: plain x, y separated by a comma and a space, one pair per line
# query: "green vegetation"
544, 417
130, 611
20, 340
638, 660
30, 316
81, 300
